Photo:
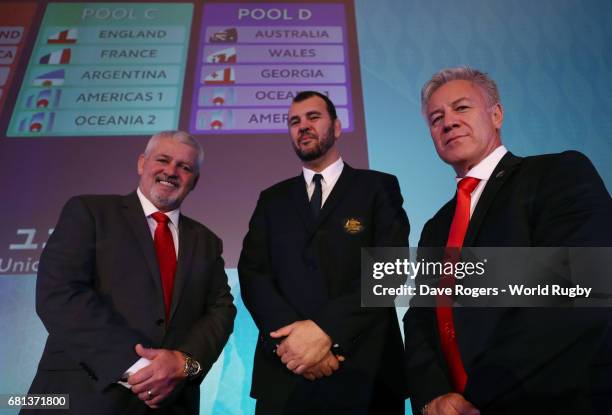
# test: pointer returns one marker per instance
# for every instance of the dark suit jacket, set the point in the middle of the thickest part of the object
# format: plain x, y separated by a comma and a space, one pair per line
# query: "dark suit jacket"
293, 268
527, 361
99, 293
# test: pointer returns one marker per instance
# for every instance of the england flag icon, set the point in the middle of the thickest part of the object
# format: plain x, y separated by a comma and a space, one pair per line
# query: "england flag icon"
68, 36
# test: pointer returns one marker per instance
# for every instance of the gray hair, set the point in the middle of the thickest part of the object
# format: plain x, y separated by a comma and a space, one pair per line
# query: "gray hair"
179, 136
463, 73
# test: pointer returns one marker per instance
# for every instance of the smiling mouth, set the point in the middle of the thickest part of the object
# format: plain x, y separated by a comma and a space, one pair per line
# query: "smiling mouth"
167, 183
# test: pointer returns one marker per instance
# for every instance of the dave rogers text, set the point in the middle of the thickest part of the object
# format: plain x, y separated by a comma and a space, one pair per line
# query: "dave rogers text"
407, 290
404, 267
475, 292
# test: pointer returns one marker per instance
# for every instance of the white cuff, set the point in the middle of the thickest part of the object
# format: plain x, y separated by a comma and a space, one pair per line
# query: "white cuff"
141, 363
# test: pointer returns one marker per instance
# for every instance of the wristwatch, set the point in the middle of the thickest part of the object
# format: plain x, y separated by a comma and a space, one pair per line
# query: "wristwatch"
192, 367
337, 350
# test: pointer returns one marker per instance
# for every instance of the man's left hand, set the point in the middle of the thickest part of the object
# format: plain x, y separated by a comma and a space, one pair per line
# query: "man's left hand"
305, 344
325, 367
155, 382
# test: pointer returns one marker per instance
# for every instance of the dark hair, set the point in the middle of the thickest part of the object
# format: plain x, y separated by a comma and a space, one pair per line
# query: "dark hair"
304, 95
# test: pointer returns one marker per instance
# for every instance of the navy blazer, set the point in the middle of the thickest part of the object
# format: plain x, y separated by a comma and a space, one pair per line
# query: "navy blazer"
295, 268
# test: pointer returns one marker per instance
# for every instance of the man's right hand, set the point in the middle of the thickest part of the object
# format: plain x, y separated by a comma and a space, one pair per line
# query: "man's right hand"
450, 404
304, 345
155, 382
328, 365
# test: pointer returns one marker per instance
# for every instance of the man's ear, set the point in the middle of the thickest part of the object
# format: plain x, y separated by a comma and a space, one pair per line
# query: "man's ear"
337, 128
141, 160
497, 115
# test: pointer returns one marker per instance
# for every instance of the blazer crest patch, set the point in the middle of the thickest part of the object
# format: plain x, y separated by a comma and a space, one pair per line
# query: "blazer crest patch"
353, 225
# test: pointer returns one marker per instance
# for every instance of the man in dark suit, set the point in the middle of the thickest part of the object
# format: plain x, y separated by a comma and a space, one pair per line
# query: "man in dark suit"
134, 294
502, 360
318, 350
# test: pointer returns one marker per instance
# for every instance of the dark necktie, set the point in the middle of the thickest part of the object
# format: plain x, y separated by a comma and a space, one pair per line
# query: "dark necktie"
166, 258
317, 196
444, 310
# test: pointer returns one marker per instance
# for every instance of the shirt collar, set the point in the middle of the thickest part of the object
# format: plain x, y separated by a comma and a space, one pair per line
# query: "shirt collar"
330, 173
484, 169
149, 208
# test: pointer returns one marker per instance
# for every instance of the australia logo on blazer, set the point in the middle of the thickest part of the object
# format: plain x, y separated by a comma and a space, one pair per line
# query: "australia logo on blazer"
353, 225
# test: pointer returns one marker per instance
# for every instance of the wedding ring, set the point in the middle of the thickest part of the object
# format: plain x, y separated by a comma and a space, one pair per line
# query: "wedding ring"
149, 394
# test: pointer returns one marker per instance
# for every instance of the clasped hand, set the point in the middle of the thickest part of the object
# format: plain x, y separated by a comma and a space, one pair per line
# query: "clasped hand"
153, 383
451, 404
305, 350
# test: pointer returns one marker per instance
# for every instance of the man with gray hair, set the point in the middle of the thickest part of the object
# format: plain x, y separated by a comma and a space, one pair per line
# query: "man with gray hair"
134, 294
507, 360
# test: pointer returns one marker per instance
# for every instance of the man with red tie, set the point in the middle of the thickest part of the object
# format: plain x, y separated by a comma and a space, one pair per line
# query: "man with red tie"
507, 360
134, 294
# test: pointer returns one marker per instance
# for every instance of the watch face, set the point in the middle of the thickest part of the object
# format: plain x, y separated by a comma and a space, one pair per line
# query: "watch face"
193, 367
196, 367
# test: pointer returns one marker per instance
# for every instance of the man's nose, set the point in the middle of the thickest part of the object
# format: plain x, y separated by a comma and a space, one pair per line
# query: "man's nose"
450, 122
170, 169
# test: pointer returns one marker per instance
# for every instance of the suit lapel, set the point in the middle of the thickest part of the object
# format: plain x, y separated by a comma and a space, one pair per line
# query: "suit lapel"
502, 172
299, 196
137, 221
469, 346
187, 244
438, 232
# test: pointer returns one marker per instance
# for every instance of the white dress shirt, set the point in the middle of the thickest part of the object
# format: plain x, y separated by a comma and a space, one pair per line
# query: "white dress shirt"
483, 171
330, 176
174, 215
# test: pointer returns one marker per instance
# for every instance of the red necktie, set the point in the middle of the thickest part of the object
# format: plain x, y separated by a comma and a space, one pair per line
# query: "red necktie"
166, 257
444, 310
